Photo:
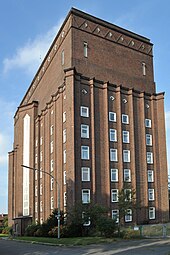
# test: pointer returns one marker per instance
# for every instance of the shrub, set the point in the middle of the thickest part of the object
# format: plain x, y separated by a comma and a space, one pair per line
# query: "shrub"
31, 229
106, 226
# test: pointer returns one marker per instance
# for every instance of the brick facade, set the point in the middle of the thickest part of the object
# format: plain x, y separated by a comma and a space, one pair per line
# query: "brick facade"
116, 76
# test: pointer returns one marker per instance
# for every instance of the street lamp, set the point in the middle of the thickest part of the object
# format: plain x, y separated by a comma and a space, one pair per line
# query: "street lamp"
58, 216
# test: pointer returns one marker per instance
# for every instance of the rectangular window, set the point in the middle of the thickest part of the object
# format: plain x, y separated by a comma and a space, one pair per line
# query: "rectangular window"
85, 49
115, 215
36, 175
151, 213
85, 196
144, 68
41, 206
65, 198
114, 195
148, 139
52, 183
52, 203
41, 140
125, 136
148, 123
51, 147
128, 194
151, 195
114, 175
64, 177
64, 117
113, 154
85, 152
150, 176
36, 142
36, 207
41, 172
84, 111
36, 158
126, 155
36, 190
85, 174
112, 116
127, 175
128, 216
84, 131
41, 189
125, 119
113, 135
62, 57
52, 165
86, 219
64, 156
149, 157
41, 156
64, 136
51, 130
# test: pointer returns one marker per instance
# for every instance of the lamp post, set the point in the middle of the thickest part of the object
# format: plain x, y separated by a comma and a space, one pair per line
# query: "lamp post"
58, 216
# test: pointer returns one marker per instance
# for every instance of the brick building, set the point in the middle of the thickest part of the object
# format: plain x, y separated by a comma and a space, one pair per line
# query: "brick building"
92, 118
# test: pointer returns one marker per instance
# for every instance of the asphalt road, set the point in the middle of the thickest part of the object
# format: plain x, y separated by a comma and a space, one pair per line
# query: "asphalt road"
132, 247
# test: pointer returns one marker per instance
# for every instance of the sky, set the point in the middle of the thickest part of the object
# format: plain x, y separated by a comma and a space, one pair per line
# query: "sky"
26, 32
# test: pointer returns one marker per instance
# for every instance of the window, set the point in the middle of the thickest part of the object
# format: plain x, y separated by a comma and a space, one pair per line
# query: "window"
125, 119
85, 196
85, 174
36, 190
52, 183
52, 165
41, 206
151, 196
41, 172
36, 158
51, 147
84, 152
127, 175
36, 207
64, 156
84, 131
144, 68
113, 135
64, 135
149, 157
86, 219
64, 117
114, 195
41, 156
115, 215
85, 49
128, 194
62, 57
84, 111
65, 198
36, 142
150, 176
148, 139
148, 123
41, 221
128, 216
114, 175
52, 203
36, 175
41, 189
113, 154
151, 213
125, 136
41, 140
51, 130
112, 116
126, 156
64, 177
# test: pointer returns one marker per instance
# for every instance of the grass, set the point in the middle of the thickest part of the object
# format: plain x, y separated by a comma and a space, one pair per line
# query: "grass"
68, 241
3, 235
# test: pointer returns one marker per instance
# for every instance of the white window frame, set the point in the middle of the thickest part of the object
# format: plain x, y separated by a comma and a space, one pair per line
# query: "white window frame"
85, 196
150, 176
84, 111
51, 147
149, 139
64, 135
113, 155
114, 195
144, 68
64, 156
51, 165
85, 171
36, 158
85, 48
113, 135
112, 116
149, 157
36, 175
127, 175
115, 215
148, 123
84, 131
85, 152
36, 142
41, 156
62, 57
51, 129
41, 189
126, 156
36, 207
125, 119
65, 198
88, 222
52, 203
128, 216
64, 117
41, 206
41, 173
64, 177
41, 140
114, 173
151, 194
129, 197
152, 213
52, 183
125, 136
36, 190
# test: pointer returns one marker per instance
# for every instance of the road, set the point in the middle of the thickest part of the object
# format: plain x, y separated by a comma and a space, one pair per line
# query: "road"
129, 247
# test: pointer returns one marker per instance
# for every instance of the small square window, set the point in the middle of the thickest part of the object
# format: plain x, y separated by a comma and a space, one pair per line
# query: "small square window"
148, 139
113, 154
125, 119
85, 196
149, 157
84, 131
150, 176
148, 123
112, 116
113, 135
114, 175
84, 111
126, 156
85, 152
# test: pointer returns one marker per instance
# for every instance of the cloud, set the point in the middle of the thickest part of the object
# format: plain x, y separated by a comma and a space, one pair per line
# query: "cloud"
167, 119
29, 56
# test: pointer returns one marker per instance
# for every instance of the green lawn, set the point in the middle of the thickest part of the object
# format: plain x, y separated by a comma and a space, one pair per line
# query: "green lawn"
3, 235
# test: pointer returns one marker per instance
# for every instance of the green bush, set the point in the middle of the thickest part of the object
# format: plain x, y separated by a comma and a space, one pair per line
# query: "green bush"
106, 226
31, 229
